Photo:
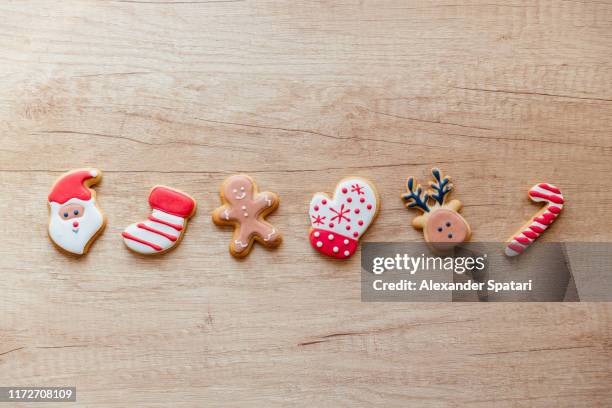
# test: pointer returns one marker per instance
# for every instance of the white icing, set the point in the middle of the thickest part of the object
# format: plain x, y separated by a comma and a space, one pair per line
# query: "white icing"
164, 216
330, 237
346, 253
316, 234
335, 249
319, 244
62, 231
339, 198
153, 237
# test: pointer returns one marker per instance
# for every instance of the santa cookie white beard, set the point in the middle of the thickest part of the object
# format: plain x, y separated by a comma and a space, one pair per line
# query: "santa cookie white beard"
74, 218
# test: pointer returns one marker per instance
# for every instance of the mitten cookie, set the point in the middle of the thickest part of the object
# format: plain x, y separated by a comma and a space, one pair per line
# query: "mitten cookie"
529, 232
165, 227
245, 208
75, 220
441, 223
338, 223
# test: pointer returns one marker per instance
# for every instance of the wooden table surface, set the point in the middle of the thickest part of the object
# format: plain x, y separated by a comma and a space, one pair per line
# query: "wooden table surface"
297, 94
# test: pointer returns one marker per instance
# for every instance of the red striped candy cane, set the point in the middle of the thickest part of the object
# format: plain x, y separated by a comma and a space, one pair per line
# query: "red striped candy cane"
529, 232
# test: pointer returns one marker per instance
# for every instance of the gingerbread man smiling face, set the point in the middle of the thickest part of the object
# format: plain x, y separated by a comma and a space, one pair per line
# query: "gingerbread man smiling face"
245, 208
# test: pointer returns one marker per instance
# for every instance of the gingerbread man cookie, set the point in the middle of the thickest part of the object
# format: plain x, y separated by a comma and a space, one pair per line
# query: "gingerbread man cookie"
338, 223
75, 219
442, 225
245, 208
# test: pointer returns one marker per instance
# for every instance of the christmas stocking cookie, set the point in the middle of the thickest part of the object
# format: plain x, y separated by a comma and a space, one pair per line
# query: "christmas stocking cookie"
338, 223
75, 220
442, 225
245, 208
166, 225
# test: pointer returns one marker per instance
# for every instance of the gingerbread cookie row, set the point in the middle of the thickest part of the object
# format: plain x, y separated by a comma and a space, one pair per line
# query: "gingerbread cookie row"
338, 222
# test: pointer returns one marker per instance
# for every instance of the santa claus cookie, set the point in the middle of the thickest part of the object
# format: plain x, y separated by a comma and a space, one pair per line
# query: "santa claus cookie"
245, 208
164, 229
440, 221
338, 223
75, 220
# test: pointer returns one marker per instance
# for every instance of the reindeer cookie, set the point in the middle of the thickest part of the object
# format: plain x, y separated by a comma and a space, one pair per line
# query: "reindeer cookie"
245, 208
441, 223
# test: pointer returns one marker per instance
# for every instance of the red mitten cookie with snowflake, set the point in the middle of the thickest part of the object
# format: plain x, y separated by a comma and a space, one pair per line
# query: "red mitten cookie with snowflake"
338, 223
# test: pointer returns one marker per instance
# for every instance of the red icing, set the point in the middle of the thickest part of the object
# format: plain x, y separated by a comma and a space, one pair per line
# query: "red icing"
75, 224
176, 227
156, 231
327, 245
369, 206
324, 202
516, 248
523, 240
344, 190
530, 234
537, 229
70, 186
357, 210
553, 198
171, 201
554, 210
546, 218
142, 241
550, 188
362, 200
349, 199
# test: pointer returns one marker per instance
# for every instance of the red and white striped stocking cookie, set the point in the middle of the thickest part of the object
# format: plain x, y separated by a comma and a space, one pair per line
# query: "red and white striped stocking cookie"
529, 232
338, 223
166, 225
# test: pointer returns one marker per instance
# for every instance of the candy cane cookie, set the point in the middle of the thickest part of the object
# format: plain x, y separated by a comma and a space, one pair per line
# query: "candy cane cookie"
529, 232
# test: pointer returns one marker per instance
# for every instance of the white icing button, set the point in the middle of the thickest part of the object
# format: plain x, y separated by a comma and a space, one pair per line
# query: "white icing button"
319, 244
316, 234
330, 237
246, 214
335, 249
346, 241
346, 253
244, 207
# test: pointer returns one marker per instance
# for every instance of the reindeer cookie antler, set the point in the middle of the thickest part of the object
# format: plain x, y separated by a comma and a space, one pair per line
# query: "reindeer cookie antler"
441, 223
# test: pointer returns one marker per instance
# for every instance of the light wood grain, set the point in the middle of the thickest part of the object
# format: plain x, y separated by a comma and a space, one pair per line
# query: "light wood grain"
297, 94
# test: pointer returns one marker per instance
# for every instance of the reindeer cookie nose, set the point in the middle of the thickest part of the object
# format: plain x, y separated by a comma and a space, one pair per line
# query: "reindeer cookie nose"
445, 229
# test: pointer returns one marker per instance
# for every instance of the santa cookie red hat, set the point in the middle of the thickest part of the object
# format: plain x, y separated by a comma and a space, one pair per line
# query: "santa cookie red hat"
74, 185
